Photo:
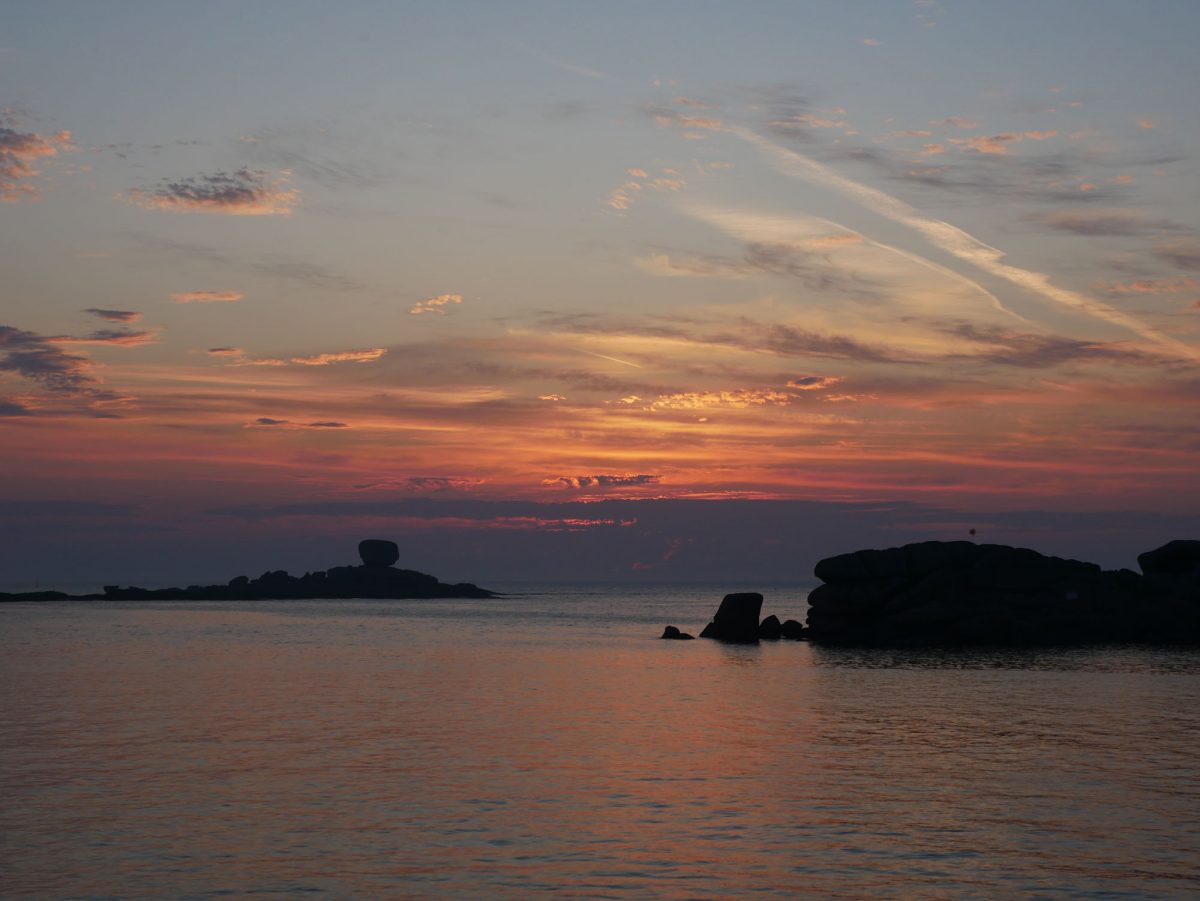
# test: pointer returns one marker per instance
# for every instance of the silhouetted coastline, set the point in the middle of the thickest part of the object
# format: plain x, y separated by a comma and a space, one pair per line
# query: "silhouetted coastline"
958, 593
375, 578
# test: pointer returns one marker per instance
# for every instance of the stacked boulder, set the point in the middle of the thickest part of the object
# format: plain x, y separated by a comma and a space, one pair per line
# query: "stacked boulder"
962, 593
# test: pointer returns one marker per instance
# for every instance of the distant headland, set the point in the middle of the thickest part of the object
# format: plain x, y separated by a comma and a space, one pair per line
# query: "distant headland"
377, 577
958, 593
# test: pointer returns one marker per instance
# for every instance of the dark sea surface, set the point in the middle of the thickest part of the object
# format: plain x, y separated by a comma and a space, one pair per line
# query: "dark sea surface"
548, 744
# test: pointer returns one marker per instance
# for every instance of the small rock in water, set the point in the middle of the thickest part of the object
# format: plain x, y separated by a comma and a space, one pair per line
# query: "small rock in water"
674, 633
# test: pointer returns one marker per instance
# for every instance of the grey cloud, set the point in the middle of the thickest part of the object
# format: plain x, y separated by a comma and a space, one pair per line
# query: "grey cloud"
1184, 253
114, 315
37, 358
12, 408
1103, 223
1023, 349
788, 341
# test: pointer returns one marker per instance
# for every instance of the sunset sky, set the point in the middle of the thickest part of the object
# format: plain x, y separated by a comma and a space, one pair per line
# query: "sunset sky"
606, 290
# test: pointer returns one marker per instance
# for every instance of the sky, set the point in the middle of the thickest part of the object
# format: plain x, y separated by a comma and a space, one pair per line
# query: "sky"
621, 291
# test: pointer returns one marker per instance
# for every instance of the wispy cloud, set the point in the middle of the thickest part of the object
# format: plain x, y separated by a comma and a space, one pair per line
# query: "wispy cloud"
1156, 286
435, 304
244, 192
1116, 223
124, 337
114, 315
955, 122
1183, 252
207, 296
324, 359
268, 422
957, 242
19, 154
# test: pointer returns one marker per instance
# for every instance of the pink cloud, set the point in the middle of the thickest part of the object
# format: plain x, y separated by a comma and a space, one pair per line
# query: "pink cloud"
19, 153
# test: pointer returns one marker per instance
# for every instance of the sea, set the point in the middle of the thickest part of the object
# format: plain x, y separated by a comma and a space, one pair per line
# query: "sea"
548, 744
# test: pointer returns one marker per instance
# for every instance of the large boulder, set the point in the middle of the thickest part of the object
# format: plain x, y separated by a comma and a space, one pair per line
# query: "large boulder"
736, 620
1174, 559
770, 629
378, 552
954, 593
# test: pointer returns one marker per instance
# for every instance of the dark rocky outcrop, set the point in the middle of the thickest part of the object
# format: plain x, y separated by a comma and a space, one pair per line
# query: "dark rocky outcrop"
736, 620
961, 593
673, 633
378, 552
374, 579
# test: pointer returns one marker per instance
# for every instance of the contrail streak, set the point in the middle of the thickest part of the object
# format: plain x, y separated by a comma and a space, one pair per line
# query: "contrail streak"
614, 359
954, 240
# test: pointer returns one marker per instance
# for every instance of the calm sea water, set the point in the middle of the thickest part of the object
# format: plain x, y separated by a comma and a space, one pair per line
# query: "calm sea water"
548, 743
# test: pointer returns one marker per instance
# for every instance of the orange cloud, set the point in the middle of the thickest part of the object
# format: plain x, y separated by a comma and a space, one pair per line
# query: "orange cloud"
933, 149
347, 356
325, 359
245, 192
207, 296
435, 304
19, 152
1143, 122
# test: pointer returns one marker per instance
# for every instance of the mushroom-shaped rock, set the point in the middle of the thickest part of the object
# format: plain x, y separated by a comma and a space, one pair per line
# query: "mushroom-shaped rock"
378, 552
674, 633
736, 620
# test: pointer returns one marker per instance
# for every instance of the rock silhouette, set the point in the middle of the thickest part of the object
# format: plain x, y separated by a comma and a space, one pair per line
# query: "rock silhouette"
376, 578
960, 593
673, 633
378, 552
736, 620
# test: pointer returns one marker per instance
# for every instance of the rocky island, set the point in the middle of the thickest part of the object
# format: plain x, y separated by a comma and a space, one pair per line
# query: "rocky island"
377, 577
959, 593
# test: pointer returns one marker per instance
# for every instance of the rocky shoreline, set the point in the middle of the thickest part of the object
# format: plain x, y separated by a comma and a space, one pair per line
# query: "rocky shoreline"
958, 593
376, 578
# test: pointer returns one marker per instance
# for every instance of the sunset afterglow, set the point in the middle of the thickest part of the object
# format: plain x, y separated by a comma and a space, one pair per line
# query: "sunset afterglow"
512, 273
